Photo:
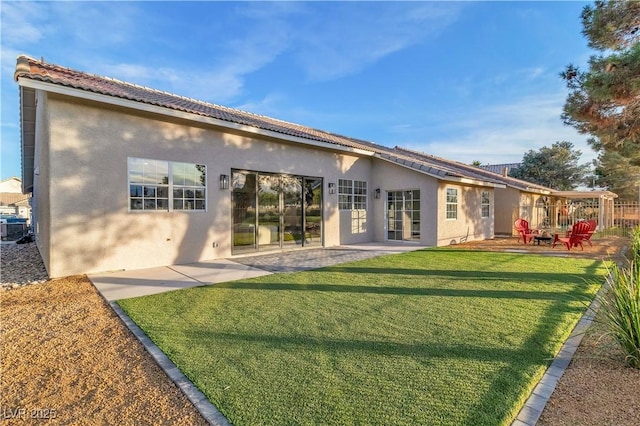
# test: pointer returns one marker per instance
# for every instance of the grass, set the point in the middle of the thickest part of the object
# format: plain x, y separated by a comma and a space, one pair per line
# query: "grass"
429, 337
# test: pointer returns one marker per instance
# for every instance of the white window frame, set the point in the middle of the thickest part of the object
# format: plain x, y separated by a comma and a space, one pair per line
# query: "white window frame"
198, 194
352, 194
451, 204
485, 207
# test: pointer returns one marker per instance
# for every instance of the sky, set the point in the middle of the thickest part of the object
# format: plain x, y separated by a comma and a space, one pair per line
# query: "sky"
467, 81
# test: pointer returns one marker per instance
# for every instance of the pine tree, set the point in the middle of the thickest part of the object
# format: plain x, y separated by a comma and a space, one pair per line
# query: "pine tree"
605, 100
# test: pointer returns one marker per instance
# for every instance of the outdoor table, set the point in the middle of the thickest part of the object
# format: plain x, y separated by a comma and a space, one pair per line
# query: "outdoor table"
546, 238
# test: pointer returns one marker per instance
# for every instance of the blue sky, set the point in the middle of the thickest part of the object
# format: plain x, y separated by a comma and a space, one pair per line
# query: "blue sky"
461, 80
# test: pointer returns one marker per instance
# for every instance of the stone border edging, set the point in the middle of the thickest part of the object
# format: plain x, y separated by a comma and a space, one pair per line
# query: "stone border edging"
197, 398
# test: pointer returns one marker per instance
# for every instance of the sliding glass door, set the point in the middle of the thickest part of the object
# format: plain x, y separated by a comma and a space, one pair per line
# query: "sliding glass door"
273, 211
313, 211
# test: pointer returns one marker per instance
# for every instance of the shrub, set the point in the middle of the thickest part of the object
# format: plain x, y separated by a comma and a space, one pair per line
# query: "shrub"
621, 304
635, 246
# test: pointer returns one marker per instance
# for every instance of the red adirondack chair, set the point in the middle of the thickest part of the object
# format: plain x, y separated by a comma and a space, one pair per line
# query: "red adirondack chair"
524, 232
593, 225
579, 233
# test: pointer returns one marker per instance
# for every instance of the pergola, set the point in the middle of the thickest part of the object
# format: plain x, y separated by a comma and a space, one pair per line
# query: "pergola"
604, 199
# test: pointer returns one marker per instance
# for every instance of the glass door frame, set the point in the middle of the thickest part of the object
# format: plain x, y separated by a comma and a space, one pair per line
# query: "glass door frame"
254, 227
411, 198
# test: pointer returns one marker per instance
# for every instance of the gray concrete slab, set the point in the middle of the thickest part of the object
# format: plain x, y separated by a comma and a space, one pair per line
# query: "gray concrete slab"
142, 282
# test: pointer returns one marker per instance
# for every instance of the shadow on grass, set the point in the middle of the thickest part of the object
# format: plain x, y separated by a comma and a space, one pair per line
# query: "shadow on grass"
406, 291
377, 348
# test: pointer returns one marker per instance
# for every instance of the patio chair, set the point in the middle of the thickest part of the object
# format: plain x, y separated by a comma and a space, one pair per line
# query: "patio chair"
593, 225
524, 232
579, 233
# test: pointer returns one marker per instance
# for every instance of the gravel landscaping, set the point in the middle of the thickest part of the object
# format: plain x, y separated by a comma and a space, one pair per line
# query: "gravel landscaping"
65, 354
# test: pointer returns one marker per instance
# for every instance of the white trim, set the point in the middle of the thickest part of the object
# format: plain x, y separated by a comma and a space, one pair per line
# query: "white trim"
140, 106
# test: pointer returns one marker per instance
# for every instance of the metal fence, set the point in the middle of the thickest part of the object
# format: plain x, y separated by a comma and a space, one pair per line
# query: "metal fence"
616, 218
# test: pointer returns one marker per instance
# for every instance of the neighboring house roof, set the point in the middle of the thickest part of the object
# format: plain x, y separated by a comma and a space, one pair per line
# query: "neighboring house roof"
478, 172
32, 74
13, 199
500, 168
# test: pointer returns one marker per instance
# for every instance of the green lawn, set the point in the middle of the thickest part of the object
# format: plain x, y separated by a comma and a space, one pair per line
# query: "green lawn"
436, 336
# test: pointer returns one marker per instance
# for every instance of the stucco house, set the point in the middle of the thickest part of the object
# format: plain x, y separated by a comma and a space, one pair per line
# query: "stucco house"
12, 201
127, 177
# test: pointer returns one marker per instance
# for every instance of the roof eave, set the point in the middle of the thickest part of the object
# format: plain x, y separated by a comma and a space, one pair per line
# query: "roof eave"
461, 180
27, 137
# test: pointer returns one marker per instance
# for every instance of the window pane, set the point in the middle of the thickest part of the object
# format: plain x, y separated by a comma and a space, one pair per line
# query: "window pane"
201, 175
163, 204
199, 193
162, 191
177, 204
135, 190
162, 173
149, 204
136, 204
188, 193
135, 170
149, 191
199, 204
178, 172
178, 193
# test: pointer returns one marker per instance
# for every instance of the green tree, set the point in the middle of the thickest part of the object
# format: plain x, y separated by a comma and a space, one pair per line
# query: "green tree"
556, 167
612, 171
604, 101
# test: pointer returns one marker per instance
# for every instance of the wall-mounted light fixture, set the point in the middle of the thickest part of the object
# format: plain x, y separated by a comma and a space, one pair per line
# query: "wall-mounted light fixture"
332, 188
224, 181
376, 193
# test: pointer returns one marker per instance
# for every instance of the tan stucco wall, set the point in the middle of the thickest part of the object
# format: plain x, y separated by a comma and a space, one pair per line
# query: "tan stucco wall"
506, 205
469, 224
85, 224
390, 177
91, 227
527, 209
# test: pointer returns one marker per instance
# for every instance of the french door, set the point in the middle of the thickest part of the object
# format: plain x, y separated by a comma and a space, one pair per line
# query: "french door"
403, 215
272, 211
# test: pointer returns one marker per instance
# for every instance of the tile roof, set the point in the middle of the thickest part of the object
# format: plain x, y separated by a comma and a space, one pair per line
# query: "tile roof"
38, 70
12, 198
473, 171
33, 69
499, 168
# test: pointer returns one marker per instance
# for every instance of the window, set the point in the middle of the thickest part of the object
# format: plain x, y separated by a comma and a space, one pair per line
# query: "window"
166, 185
359, 195
486, 203
345, 194
452, 203
352, 194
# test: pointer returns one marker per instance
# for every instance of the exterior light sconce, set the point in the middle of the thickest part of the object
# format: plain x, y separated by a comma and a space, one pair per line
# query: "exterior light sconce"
332, 188
376, 193
224, 181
